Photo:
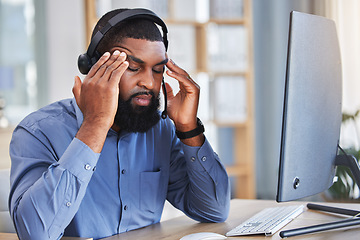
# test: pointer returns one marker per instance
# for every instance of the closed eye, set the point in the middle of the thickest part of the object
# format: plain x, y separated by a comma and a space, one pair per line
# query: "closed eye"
157, 71
133, 69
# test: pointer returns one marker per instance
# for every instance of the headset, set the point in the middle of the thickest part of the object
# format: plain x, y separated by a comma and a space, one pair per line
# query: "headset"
88, 59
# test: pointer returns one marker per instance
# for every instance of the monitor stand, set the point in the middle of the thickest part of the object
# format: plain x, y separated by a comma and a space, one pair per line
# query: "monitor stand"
352, 164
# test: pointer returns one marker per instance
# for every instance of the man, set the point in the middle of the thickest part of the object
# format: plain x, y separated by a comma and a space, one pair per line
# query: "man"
104, 162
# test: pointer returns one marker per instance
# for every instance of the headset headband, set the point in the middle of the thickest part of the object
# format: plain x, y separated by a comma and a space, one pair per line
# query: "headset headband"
127, 15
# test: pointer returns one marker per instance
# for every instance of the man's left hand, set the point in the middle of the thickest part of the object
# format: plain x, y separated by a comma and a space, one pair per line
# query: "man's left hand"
182, 107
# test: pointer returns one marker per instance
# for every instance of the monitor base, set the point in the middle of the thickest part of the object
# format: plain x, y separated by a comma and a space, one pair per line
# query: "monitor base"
341, 160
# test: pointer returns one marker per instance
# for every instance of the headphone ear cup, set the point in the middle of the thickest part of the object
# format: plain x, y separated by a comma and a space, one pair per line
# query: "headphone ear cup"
84, 63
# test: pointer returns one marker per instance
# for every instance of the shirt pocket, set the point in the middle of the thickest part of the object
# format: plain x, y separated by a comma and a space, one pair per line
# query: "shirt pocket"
152, 190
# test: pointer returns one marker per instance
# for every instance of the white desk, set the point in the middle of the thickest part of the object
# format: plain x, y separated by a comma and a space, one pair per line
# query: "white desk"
241, 210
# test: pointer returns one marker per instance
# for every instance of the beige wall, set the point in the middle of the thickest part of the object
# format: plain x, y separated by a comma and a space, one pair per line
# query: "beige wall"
5, 137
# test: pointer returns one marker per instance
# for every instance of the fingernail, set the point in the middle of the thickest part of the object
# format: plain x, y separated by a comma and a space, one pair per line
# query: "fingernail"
122, 54
106, 54
116, 52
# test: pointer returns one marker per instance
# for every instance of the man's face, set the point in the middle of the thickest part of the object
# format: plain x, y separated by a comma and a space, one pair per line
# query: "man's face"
140, 84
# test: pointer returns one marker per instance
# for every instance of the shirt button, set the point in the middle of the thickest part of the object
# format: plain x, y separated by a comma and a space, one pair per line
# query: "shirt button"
87, 167
193, 159
203, 158
125, 207
68, 204
123, 171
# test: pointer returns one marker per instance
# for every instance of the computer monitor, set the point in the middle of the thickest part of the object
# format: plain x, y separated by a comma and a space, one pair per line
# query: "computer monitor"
312, 110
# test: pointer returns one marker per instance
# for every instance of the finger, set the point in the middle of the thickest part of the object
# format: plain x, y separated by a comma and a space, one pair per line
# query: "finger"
77, 88
169, 91
109, 65
185, 82
98, 64
118, 72
179, 74
113, 67
175, 68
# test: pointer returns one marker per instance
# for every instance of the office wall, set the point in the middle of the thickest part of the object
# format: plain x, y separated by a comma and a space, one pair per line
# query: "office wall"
59, 38
347, 17
65, 41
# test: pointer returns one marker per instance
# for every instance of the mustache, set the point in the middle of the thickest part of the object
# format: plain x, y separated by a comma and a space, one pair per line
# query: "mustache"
143, 93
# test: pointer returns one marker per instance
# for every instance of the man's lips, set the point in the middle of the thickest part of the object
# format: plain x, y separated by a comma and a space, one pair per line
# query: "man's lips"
142, 99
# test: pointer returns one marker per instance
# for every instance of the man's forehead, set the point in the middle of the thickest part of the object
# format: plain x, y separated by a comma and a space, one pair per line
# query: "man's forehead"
135, 59
142, 51
139, 42
140, 61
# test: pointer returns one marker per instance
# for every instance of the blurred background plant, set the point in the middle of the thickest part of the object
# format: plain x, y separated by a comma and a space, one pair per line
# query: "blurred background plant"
345, 189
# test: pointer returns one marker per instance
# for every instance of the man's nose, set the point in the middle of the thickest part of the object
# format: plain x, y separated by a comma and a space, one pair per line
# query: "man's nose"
147, 80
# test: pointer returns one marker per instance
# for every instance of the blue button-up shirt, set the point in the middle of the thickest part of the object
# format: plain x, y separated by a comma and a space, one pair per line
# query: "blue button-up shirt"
59, 186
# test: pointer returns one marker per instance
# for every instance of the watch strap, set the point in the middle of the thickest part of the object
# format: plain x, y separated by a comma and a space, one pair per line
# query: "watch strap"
198, 130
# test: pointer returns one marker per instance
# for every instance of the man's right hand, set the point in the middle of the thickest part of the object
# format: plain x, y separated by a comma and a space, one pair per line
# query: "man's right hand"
97, 97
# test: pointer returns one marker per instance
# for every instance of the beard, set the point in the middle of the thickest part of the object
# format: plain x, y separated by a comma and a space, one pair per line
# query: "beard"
137, 118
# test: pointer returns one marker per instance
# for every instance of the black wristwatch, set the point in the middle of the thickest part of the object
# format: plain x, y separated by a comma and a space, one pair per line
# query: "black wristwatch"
184, 135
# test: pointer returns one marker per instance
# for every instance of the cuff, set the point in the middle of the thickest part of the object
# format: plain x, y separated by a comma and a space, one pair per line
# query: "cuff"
200, 158
79, 159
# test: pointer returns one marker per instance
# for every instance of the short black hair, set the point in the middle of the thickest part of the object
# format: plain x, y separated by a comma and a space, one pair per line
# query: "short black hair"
138, 28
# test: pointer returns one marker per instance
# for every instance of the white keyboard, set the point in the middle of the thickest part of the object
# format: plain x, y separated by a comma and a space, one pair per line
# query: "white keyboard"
267, 221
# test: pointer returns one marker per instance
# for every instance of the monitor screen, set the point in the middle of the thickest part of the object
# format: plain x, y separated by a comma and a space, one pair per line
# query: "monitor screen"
312, 108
